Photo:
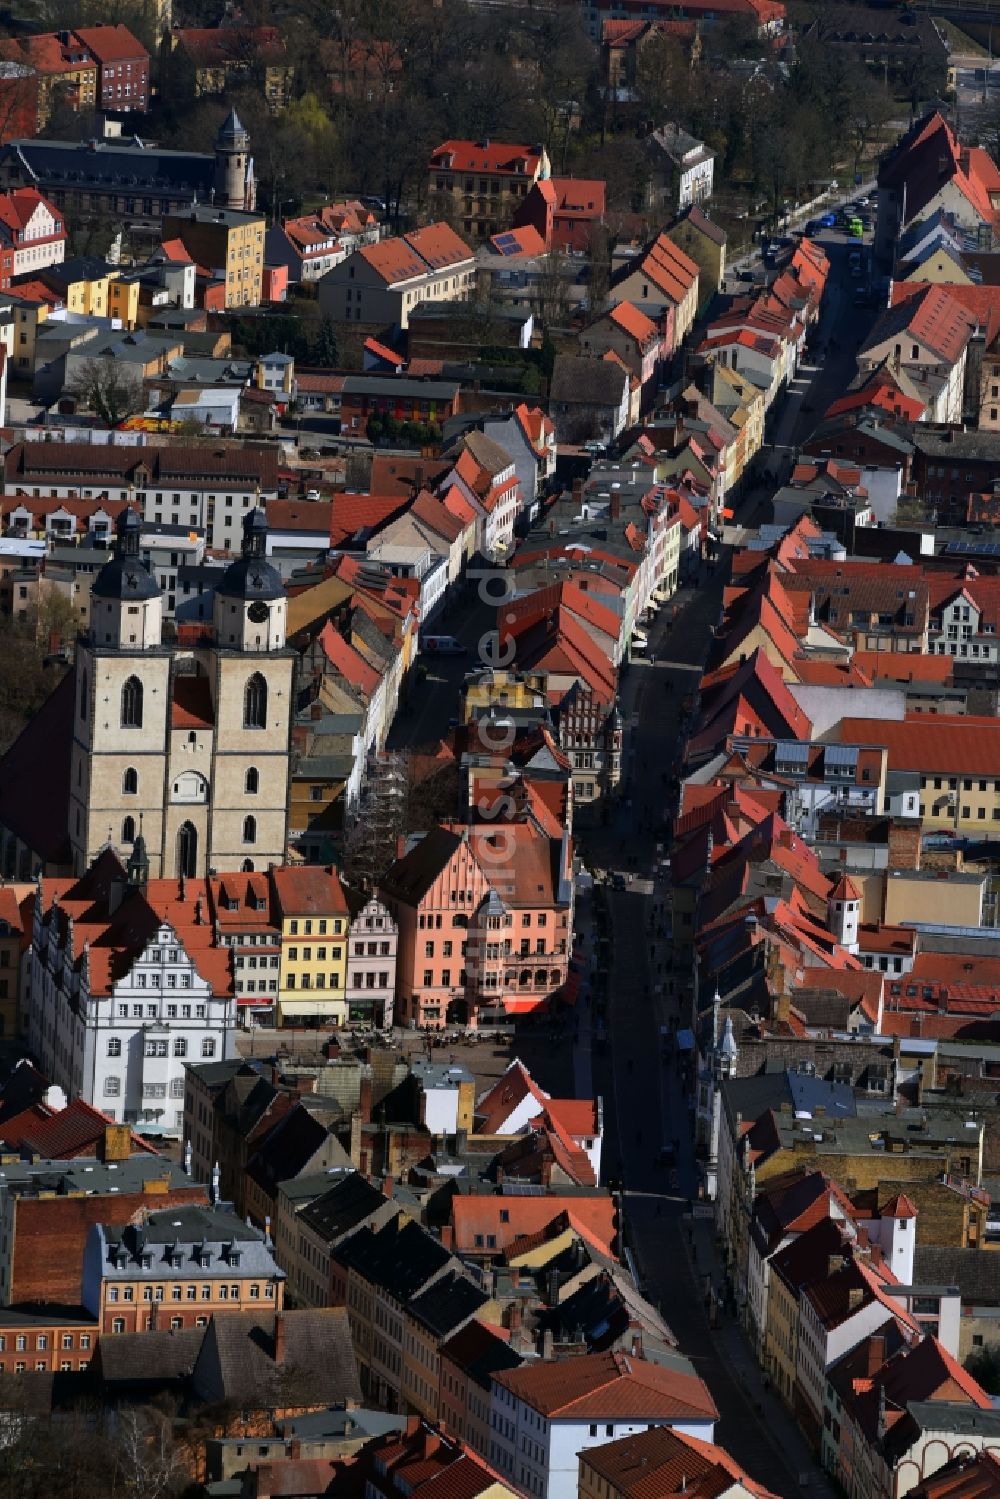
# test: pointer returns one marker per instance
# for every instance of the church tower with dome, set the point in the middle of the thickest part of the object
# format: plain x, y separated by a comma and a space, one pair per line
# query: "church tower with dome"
183, 748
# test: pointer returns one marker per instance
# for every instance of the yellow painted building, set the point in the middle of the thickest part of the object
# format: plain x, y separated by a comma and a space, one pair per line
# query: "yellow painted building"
957, 758
123, 300
227, 243
742, 403
29, 316
781, 1335
219, 59
420, 1385
941, 268
502, 689
314, 918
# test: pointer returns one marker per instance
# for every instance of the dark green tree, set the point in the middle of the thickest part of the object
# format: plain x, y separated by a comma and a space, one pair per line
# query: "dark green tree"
324, 350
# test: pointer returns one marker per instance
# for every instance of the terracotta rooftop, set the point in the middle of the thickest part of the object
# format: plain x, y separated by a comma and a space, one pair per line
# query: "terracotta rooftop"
609, 1386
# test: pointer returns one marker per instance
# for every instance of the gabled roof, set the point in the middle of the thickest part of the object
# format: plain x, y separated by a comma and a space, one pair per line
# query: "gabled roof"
480, 1351
240, 1360
932, 317
698, 219
634, 323
506, 1218
419, 253
663, 1462
609, 1386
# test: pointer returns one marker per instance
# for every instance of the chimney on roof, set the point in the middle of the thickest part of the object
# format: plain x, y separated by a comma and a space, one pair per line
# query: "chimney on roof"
447, 1236
876, 1352
279, 1339
117, 1142
432, 1441
365, 1099
388, 1186
615, 505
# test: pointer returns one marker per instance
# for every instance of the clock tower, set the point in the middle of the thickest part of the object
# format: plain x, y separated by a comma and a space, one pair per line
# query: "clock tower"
250, 602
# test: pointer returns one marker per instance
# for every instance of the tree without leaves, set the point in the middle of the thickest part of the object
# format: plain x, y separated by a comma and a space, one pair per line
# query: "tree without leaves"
148, 1458
111, 390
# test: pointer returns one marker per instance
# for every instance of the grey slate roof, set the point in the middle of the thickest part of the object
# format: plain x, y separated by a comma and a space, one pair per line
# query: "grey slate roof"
138, 1357
974, 1271
127, 166
447, 1304
192, 1234
237, 1359
400, 1259
346, 1205
579, 378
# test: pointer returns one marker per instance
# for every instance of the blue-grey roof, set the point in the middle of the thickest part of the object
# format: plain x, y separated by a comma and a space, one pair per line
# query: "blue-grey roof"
191, 1235
810, 1093
120, 166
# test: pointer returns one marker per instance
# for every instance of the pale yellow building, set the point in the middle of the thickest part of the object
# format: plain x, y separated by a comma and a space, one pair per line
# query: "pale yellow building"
227, 243
29, 317
957, 758
485, 691
314, 919
742, 403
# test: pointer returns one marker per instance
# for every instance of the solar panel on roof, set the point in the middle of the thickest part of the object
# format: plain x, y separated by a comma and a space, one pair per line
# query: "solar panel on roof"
841, 754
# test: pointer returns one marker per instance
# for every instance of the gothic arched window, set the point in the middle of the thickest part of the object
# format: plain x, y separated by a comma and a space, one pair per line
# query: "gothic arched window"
187, 850
132, 704
255, 703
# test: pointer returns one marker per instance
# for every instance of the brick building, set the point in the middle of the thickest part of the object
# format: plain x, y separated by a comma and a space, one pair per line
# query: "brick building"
48, 1207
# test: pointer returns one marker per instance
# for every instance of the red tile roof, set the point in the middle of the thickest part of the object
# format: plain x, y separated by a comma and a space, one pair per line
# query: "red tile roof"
524, 239
940, 744
581, 197
663, 1462
932, 317
76, 1130
635, 323
899, 1206
609, 1386
191, 704
309, 890
486, 156
480, 1215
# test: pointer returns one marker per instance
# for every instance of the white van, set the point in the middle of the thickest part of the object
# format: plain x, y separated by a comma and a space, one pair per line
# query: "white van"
441, 645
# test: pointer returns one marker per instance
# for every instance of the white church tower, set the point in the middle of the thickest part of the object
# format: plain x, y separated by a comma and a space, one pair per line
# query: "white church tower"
844, 913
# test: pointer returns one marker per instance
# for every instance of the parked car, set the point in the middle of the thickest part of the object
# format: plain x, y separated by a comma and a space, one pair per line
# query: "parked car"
441, 645
827, 220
